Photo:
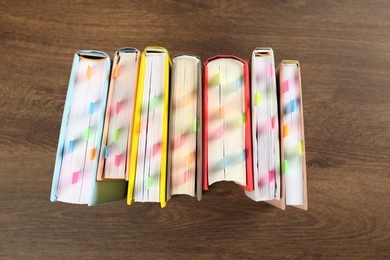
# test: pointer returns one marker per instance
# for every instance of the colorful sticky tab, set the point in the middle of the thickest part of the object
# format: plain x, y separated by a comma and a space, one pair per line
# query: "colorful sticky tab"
257, 98
156, 149
115, 135
116, 71
117, 160
272, 122
186, 176
89, 72
270, 70
91, 108
93, 154
285, 86
285, 166
148, 182
292, 106
153, 103
285, 130
75, 177
105, 152
197, 123
191, 159
87, 133
217, 133
118, 107
71, 145
300, 147
243, 118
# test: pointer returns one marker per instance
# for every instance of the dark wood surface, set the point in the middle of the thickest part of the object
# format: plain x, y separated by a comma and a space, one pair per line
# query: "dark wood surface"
344, 50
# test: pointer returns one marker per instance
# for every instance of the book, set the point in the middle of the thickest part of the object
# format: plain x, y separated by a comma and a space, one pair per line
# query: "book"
185, 135
148, 159
292, 147
75, 171
227, 145
265, 127
118, 123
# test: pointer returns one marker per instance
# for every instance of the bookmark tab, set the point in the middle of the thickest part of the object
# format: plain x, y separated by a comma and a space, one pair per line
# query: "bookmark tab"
285, 166
300, 147
257, 98
285, 86
87, 133
93, 154
117, 160
71, 145
272, 122
91, 108
89, 72
115, 135
75, 177
118, 107
116, 71
148, 182
105, 152
292, 106
156, 149
285, 130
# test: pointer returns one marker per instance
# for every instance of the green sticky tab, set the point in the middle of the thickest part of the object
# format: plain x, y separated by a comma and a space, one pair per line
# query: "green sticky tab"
243, 119
153, 103
285, 166
300, 147
257, 98
148, 182
115, 135
87, 133
197, 123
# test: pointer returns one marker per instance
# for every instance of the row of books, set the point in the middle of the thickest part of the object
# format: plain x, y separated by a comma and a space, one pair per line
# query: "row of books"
146, 128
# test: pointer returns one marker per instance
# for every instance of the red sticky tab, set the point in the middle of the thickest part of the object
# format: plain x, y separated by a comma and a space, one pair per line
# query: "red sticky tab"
117, 107
156, 149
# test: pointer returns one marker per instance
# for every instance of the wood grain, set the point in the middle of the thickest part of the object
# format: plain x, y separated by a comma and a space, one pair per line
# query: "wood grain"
344, 50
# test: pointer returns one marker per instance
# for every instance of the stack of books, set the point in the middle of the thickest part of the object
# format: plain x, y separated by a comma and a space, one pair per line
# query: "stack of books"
146, 128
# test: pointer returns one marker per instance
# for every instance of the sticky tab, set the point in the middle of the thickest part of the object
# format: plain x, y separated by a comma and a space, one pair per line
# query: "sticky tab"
197, 123
115, 135
292, 106
75, 177
87, 133
186, 176
89, 72
257, 98
270, 70
117, 160
219, 78
156, 149
105, 152
116, 71
243, 118
71, 145
118, 107
285, 130
285, 166
153, 103
148, 182
300, 147
272, 122
93, 154
217, 133
191, 159
91, 108
285, 86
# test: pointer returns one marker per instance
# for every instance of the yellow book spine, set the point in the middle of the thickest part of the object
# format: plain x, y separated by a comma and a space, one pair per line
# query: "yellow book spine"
163, 176
136, 128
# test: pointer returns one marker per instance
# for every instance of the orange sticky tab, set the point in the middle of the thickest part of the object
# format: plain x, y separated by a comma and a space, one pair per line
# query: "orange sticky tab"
89, 72
93, 154
116, 72
285, 130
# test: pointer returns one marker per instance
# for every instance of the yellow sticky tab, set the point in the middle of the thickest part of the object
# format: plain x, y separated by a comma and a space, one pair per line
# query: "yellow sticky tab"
89, 72
257, 98
300, 147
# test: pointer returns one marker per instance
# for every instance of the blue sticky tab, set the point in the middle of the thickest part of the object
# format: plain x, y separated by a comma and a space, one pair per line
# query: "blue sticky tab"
71, 145
105, 152
292, 106
91, 108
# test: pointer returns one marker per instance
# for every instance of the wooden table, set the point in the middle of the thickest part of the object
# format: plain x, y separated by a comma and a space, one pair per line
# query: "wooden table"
344, 50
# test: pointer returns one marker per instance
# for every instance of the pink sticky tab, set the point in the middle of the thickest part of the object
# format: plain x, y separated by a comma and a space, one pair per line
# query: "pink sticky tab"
285, 86
217, 134
271, 175
75, 177
272, 122
117, 160
186, 176
271, 70
156, 149
117, 107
